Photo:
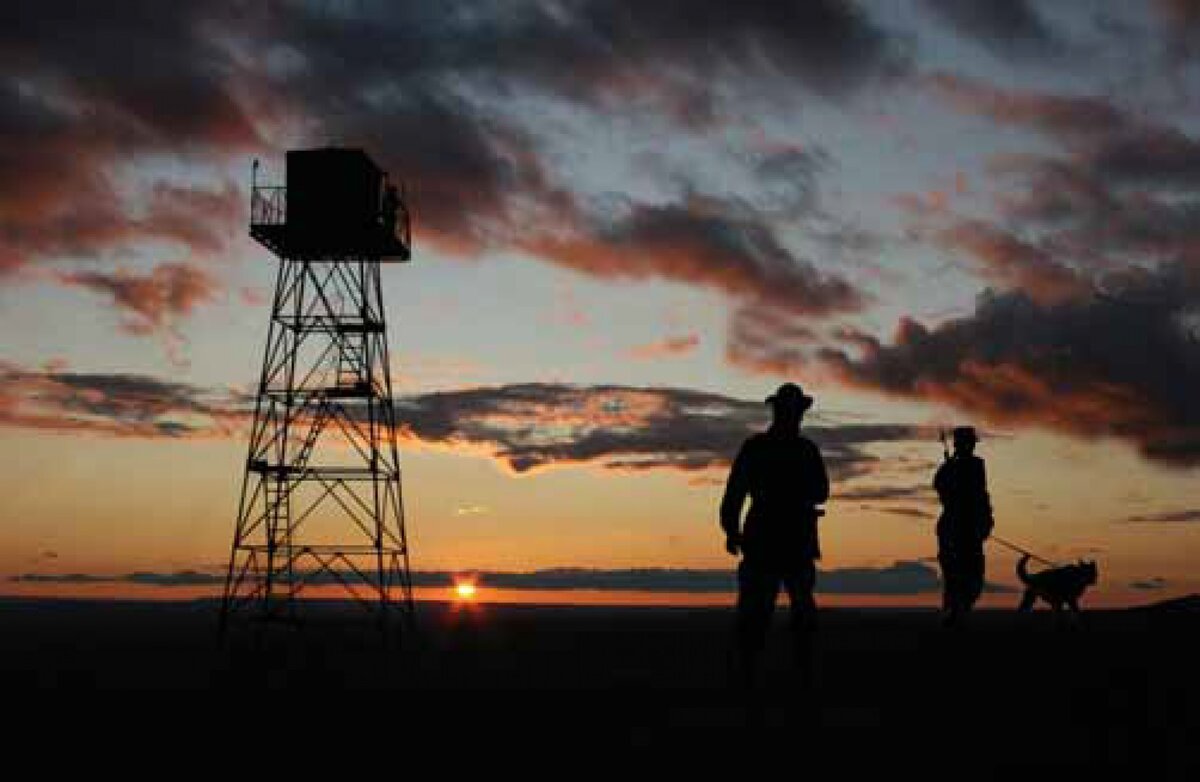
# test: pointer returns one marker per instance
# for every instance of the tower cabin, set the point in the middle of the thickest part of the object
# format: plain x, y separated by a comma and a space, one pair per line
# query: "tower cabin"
336, 204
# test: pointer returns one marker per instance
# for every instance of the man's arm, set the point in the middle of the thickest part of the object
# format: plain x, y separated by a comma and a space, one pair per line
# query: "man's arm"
985, 502
818, 488
736, 489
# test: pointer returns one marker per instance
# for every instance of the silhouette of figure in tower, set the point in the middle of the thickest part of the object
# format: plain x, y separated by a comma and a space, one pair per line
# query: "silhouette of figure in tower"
785, 476
965, 523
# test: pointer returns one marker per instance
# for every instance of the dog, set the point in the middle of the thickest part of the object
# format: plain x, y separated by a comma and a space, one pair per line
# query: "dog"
1059, 586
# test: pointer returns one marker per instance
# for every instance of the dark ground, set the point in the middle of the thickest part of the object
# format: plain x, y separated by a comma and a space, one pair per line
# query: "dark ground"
1015, 697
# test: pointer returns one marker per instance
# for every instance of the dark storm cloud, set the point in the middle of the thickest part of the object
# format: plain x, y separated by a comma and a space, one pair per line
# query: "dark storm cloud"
1012, 29
1123, 364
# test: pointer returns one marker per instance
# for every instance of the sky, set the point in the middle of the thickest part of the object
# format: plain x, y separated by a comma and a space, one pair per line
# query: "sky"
632, 221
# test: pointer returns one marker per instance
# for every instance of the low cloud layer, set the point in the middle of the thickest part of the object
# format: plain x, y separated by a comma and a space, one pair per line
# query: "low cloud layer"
898, 579
55, 399
524, 427
532, 426
1185, 516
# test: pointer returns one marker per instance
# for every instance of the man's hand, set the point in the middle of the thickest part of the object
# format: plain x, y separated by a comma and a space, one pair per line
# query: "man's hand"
733, 543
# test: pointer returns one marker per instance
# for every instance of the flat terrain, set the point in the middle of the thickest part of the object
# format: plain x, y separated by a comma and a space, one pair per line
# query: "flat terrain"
1118, 694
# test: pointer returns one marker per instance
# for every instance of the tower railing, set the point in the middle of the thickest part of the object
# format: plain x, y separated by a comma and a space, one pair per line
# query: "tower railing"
268, 205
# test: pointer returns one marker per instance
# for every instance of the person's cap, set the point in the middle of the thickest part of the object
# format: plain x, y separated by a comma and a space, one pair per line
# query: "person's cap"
790, 393
966, 433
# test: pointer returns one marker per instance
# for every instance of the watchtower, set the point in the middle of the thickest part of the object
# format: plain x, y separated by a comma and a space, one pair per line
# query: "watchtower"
321, 503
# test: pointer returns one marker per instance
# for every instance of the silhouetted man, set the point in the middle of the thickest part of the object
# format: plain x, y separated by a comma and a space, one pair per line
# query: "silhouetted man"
784, 474
965, 523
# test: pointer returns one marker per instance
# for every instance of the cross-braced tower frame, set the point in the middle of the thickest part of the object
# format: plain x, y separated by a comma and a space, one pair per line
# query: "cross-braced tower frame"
321, 504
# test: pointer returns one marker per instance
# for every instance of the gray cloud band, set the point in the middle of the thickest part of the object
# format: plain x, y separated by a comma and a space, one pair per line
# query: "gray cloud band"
898, 579
525, 427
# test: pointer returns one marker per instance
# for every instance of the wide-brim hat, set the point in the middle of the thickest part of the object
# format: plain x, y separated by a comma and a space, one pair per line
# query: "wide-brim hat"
790, 394
965, 433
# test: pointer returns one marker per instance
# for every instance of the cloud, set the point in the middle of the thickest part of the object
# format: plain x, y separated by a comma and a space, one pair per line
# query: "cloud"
143, 578
1119, 365
1105, 140
525, 427
1005, 259
1121, 192
1185, 516
430, 94
115, 405
766, 340
887, 492
61, 578
900, 578
1180, 20
176, 578
1118, 198
1149, 584
78, 107
152, 302
532, 426
913, 513
1060, 116
703, 242
1011, 29
666, 347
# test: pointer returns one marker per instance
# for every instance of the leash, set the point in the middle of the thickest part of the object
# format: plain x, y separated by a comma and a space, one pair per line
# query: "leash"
1008, 544
1014, 547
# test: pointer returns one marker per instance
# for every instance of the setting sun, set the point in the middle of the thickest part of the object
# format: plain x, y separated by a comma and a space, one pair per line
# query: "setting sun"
465, 590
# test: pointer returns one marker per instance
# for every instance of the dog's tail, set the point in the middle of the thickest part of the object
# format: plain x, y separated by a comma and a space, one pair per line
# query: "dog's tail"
1023, 569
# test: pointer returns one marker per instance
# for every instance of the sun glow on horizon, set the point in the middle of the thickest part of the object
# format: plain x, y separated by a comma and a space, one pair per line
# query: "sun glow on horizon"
465, 590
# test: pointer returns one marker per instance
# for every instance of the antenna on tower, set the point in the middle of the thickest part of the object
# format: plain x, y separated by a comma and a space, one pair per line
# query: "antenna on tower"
321, 507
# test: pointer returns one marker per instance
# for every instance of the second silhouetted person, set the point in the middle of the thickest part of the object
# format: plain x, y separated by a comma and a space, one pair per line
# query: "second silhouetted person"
965, 523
